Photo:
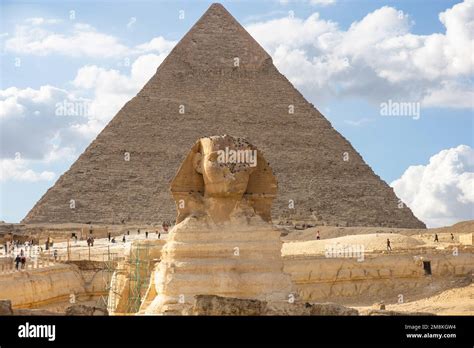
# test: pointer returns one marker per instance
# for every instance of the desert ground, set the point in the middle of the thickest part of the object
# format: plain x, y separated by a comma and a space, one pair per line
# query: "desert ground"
440, 296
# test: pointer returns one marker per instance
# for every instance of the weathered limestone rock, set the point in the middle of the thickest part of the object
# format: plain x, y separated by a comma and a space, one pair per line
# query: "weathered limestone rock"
83, 310
223, 244
216, 305
199, 90
38, 287
382, 312
466, 239
6, 307
147, 252
318, 278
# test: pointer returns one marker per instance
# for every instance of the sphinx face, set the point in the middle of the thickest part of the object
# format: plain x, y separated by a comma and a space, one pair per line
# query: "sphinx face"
222, 177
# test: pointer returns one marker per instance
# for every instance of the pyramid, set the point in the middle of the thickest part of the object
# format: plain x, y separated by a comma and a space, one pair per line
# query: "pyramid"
219, 80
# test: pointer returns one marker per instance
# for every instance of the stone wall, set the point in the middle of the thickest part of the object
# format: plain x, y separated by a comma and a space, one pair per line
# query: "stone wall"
465, 239
318, 278
54, 284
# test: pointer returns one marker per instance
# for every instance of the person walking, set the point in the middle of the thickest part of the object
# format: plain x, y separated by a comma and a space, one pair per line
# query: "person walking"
146, 234
318, 236
17, 261
389, 247
109, 236
436, 238
123, 239
452, 237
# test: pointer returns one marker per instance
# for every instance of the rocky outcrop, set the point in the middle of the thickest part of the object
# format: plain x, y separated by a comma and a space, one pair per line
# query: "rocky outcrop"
318, 278
83, 310
217, 305
41, 286
56, 285
6, 307
379, 312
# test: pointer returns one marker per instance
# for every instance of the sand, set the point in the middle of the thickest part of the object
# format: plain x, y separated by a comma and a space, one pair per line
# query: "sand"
371, 242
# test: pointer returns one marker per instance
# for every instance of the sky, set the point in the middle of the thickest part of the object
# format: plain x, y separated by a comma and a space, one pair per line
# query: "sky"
393, 77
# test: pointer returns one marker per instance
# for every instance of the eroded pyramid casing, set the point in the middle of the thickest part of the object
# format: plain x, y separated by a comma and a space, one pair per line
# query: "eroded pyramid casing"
250, 100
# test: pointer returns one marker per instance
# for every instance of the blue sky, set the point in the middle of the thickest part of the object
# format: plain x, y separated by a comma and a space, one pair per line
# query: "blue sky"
367, 34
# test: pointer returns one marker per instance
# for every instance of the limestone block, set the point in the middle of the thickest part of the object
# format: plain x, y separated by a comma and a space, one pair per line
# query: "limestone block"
6, 307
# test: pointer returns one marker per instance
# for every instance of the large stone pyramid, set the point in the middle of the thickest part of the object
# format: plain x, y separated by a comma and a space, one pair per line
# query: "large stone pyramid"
219, 80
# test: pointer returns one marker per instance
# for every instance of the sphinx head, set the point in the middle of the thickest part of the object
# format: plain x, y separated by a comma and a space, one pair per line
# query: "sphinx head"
225, 164
218, 174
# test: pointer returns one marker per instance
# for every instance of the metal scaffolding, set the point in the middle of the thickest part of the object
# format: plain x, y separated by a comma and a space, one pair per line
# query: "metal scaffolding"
109, 279
139, 275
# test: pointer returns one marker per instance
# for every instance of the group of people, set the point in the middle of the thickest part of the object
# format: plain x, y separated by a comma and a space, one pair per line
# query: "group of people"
165, 227
20, 259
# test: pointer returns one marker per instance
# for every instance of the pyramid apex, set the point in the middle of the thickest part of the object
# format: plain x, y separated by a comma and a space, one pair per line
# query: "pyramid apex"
216, 7
216, 42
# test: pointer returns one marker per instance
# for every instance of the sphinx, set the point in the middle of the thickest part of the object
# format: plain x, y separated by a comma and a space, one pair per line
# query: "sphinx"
223, 242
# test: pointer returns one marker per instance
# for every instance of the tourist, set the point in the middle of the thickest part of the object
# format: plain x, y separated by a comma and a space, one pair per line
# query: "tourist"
318, 237
138, 231
389, 247
17, 261
123, 239
146, 234
128, 233
55, 254
159, 235
22, 253
113, 239
23, 262
452, 237
109, 236
436, 238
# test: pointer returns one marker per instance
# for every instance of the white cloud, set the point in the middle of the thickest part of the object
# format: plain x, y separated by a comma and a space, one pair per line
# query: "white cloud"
111, 89
17, 170
377, 58
32, 37
42, 21
359, 122
84, 40
442, 192
450, 94
322, 2
31, 124
158, 44
47, 125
